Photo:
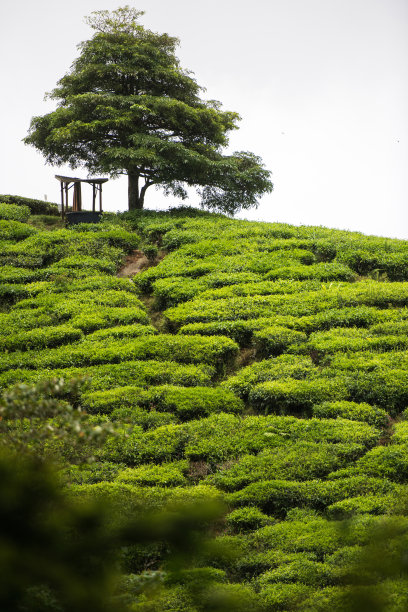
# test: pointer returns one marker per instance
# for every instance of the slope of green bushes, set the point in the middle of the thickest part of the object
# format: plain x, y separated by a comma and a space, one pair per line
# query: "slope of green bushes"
258, 363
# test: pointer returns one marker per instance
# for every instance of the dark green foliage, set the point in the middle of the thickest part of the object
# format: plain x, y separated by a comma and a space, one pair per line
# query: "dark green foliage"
56, 555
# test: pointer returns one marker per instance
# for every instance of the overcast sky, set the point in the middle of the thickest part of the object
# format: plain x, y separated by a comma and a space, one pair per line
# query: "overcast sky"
321, 85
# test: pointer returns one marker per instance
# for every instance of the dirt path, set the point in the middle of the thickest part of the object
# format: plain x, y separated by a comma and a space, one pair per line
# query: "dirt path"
134, 264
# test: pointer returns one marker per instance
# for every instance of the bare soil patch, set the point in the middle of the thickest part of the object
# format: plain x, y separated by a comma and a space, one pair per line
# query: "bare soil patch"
134, 264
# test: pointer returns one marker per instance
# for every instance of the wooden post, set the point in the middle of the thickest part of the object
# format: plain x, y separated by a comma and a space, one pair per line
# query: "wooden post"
66, 194
62, 200
100, 197
77, 205
93, 196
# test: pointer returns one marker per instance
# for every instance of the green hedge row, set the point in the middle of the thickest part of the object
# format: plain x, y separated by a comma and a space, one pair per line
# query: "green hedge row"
222, 437
37, 207
320, 271
296, 395
46, 248
40, 338
276, 497
100, 283
353, 411
354, 339
290, 460
368, 293
242, 330
11, 274
111, 375
276, 339
184, 349
282, 367
74, 301
185, 403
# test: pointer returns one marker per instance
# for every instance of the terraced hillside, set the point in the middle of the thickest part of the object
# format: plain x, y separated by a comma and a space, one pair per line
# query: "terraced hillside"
260, 363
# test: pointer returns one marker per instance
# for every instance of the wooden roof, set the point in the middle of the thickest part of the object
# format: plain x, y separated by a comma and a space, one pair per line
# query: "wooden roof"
73, 179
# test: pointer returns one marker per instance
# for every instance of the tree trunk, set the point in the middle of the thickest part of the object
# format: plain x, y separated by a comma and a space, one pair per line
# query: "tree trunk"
135, 201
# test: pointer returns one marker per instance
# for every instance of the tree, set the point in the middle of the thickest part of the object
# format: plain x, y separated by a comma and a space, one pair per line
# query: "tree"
127, 107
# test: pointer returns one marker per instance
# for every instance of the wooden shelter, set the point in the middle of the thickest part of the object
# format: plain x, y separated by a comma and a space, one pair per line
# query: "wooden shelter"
69, 182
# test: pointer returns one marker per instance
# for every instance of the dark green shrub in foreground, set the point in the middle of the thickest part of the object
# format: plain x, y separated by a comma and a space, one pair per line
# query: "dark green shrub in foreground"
56, 555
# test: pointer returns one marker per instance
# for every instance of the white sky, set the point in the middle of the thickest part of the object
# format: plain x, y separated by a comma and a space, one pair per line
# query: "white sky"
321, 85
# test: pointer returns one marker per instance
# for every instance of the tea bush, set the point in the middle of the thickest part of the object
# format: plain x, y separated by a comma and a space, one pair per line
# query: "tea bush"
123, 331
166, 475
247, 519
353, 411
37, 207
186, 403
109, 376
290, 460
15, 231
277, 496
282, 367
296, 395
184, 349
274, 340
13, 275
11, 212
40, 338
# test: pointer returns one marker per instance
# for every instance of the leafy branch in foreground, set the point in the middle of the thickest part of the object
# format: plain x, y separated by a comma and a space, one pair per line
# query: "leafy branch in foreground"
35, 417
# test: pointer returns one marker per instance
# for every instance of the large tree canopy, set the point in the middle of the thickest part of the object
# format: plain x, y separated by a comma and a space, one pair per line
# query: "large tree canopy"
127, 107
